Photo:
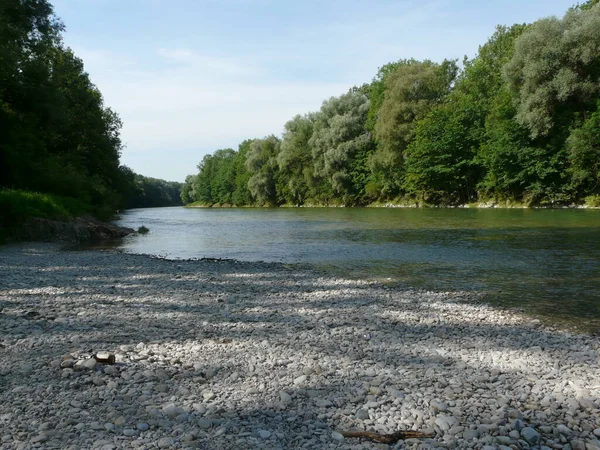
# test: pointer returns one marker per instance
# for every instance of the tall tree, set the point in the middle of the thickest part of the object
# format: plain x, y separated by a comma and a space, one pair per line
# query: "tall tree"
295, 159
339, 138
555, 70
412, 90
261, 162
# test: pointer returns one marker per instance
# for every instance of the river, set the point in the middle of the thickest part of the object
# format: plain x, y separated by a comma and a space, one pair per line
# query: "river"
546, 262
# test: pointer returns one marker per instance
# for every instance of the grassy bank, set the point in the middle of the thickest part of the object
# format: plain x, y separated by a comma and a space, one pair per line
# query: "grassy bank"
18, 206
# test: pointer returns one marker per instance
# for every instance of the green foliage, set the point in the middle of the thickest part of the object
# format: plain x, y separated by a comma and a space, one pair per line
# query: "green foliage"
412, 90
56, 134
16, 206
519, 124
339, 136
555, 70
583, 146
143, 230
152, 192
295, 159
261, 162
440, 167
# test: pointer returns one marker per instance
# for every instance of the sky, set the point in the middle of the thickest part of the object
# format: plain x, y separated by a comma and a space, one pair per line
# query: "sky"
188, 77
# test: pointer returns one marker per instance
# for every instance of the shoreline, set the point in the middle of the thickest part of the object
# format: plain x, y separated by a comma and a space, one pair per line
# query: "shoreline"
404, 206
221, 354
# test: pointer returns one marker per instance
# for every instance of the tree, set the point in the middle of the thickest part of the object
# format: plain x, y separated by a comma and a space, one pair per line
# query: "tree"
241, 194
412, 90
555, 70
338, 138
295, 159
261, 162
583, 147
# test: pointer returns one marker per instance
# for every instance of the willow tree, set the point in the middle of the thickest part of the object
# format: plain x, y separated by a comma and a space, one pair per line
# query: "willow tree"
261, 162
295, 159
554, 73
412, 90
339, 145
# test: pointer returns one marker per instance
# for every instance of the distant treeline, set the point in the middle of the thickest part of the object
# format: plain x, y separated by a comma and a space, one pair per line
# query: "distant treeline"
518, 123
152, 192
57, 137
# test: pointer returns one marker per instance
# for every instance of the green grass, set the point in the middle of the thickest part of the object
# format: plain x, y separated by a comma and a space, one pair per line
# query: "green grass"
17, 206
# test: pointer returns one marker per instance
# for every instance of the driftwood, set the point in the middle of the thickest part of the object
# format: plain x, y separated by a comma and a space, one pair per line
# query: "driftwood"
387, 438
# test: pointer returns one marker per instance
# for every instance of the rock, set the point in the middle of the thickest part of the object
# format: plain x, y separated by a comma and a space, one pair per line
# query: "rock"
105, 357
337, 436
446, 422
597, 432
89, 364
142, 426
111, 370
530, 435
362, 414
119, 421
577, 445
437, 405
264, 434
299, 380
171, 411
67, 363
166, 442
469, 435
38, 439
562, 429
285, 397
129, 432
205, 424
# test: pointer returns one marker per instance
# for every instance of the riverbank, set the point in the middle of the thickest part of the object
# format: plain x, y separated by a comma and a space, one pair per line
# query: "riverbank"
480, 205
225, 354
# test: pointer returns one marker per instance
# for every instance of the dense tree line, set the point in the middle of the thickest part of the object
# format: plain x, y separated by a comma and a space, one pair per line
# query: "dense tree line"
56, 134
520, 122
150, 192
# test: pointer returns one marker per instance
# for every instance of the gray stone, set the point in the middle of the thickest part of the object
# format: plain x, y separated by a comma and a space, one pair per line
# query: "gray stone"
143, 426
530, 435
362, 414
204, 423
264, 434
299, 380
337, 436
166, 442
446, 422
89, 364
437, 405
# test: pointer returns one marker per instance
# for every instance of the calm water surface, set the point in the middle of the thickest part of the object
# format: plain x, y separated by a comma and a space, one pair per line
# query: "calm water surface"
544, 261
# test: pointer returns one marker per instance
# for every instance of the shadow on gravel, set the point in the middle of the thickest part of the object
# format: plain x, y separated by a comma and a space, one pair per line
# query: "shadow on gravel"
263, 346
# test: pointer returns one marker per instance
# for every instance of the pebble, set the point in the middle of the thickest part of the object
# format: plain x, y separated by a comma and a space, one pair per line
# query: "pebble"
166, 442
337, 436
288, 366
530, 435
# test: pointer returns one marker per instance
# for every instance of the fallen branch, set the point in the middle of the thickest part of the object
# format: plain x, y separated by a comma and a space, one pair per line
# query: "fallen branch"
387, 438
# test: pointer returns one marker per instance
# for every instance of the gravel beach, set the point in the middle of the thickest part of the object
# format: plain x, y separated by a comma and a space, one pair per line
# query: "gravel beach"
237, 355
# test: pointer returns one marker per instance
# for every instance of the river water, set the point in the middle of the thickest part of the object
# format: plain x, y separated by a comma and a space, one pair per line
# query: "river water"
546, 262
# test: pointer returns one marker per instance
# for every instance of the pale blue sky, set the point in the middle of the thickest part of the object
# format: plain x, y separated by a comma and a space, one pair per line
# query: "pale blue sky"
188, 77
